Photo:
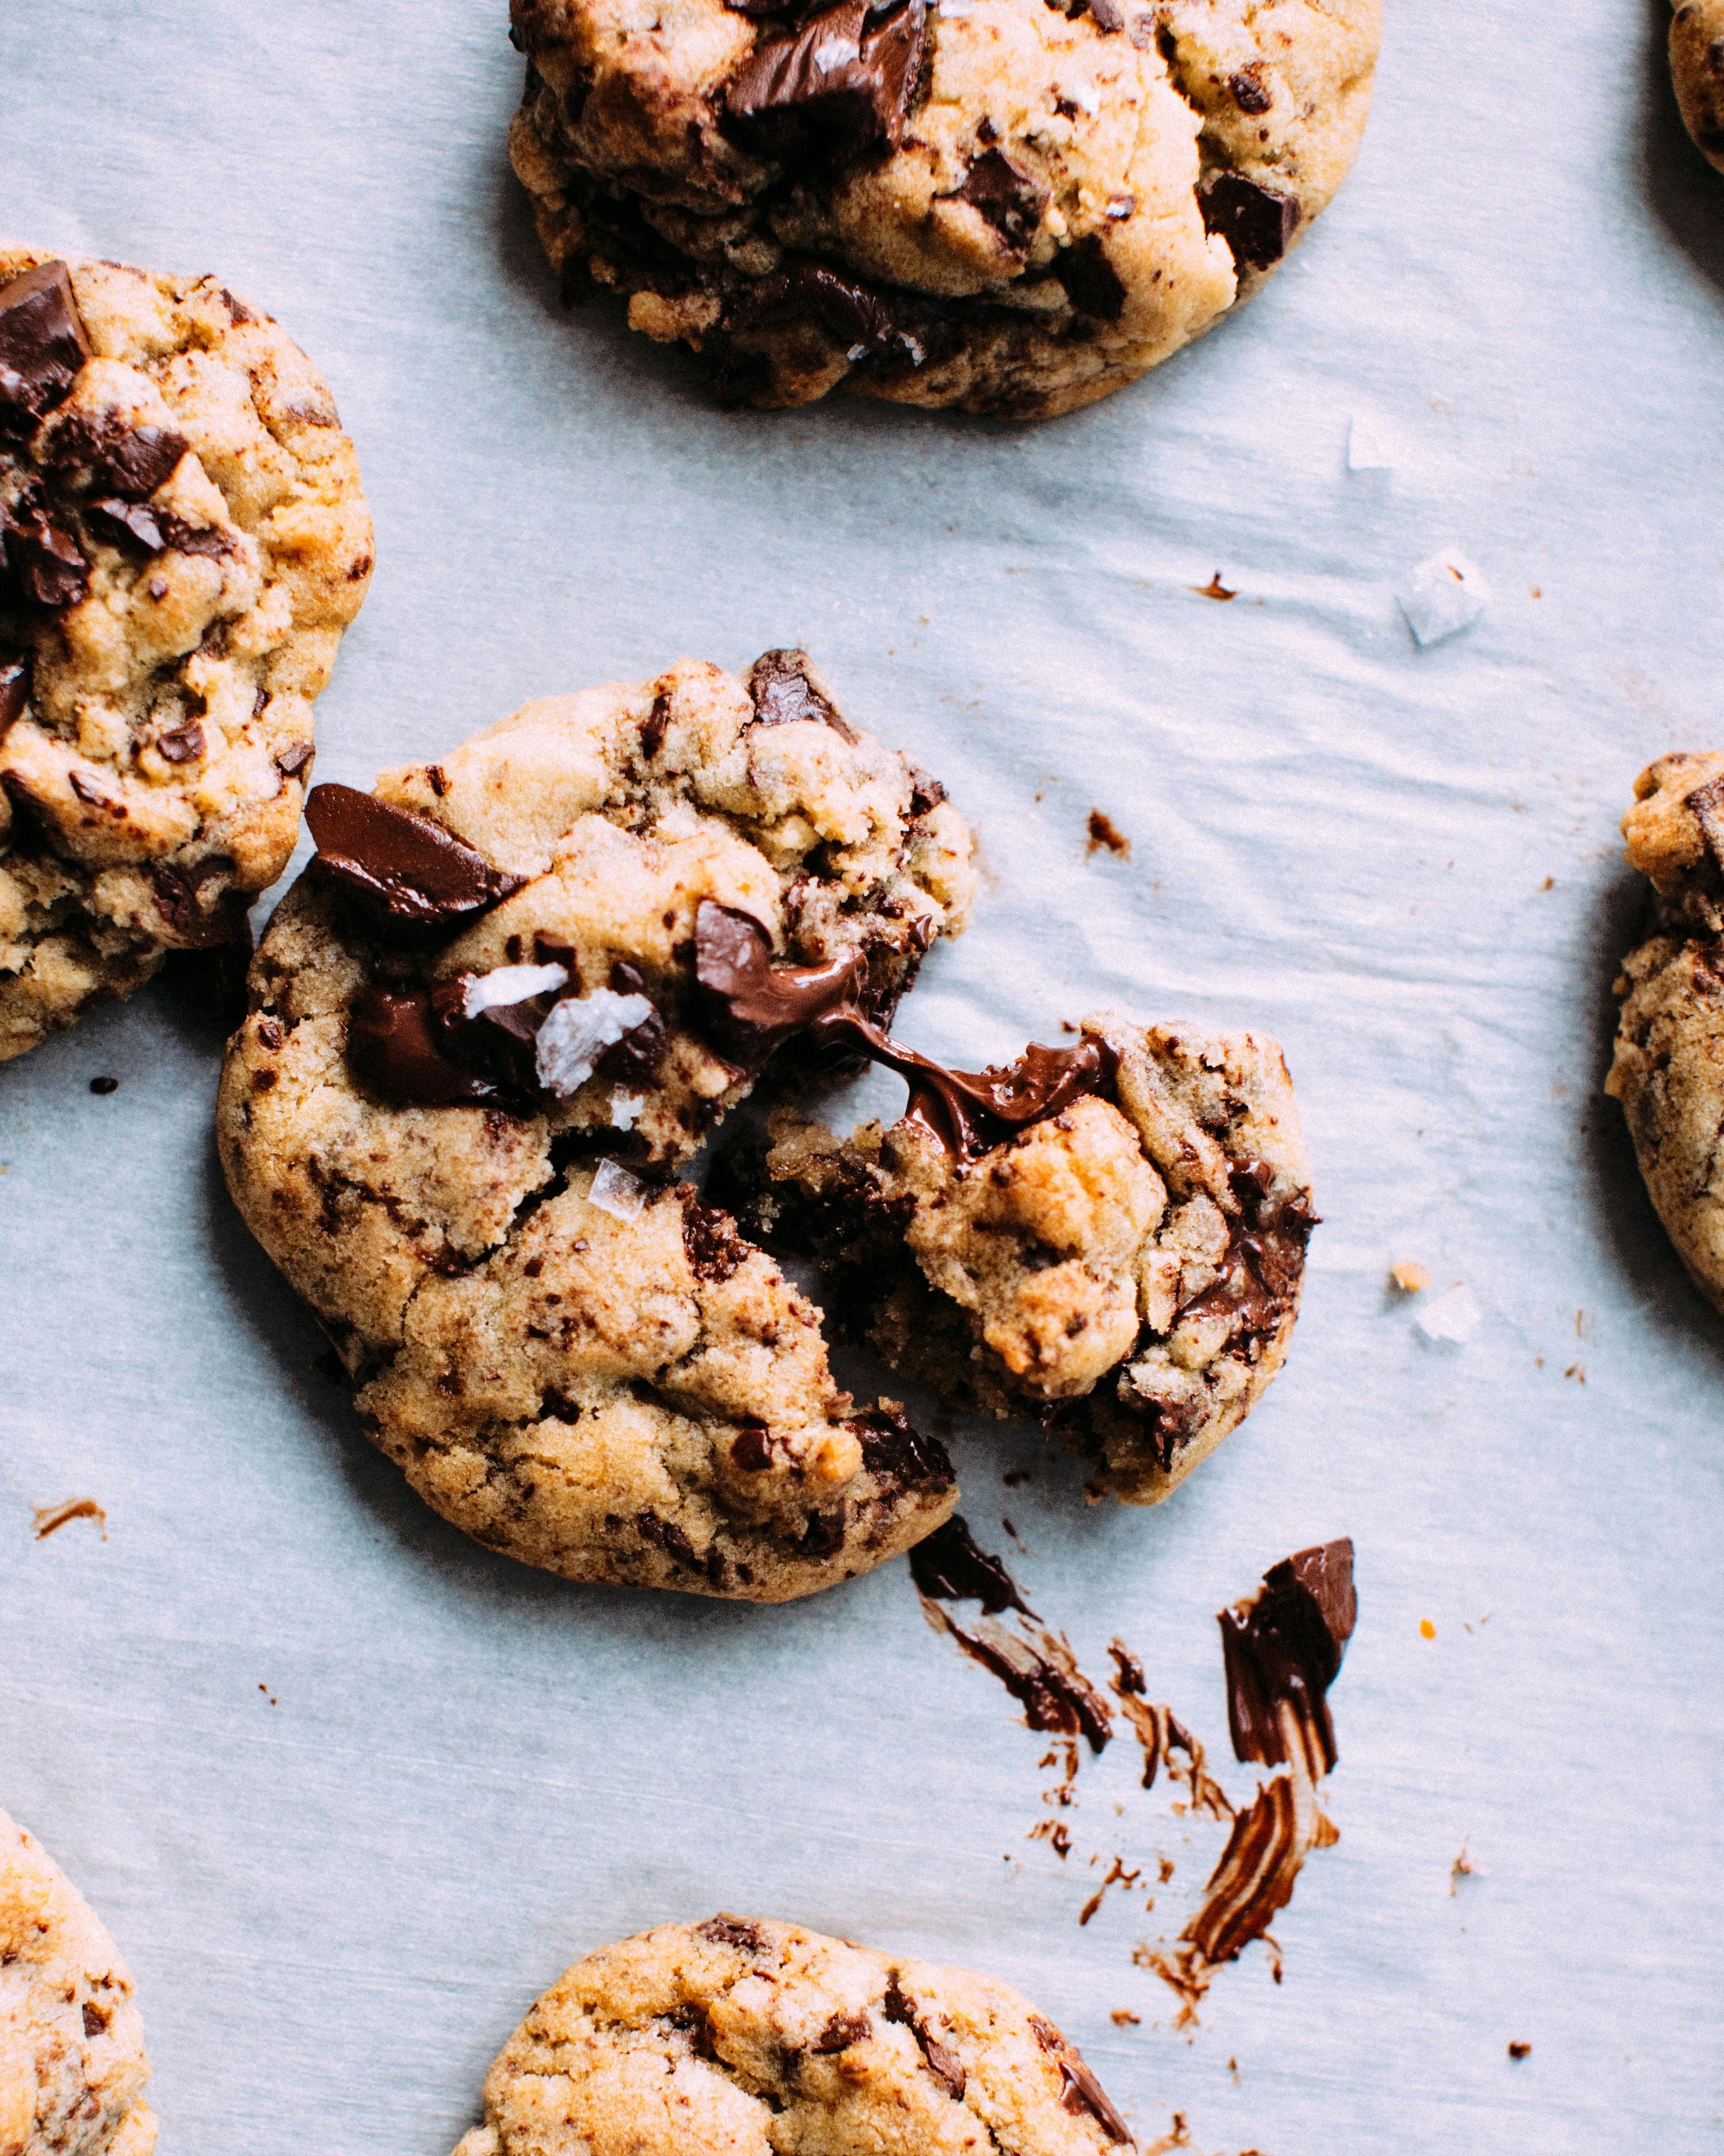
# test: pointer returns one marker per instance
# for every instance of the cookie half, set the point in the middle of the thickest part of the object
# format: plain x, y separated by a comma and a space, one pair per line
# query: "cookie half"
72, 2064
182, 541
1007, 206
1697, 69
1668, 1070
1111, 1236
483, 1037
745, 2037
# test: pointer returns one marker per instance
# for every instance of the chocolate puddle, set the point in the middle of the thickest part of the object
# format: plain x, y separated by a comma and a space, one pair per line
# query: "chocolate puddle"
951, 1567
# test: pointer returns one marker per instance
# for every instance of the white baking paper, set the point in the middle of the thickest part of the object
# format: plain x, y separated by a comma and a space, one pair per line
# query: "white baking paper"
349, 1789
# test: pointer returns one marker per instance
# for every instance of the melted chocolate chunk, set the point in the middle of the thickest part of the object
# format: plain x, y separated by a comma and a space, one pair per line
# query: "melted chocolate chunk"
1284, 1648
825, 93
782, 692
395, 1047
14, 689
727, 1931
181, 744
892, 1451
44, 556
1250, 92
130, 462
1092, 283
970, 1112
292, 761
851, 315
1082, 2091
1010, 200
43, 345
420, 872
1042, 1675
840, 2032
198, 926
951, 1567
1256, 223
711, 1244
1257, 1285
756, 1004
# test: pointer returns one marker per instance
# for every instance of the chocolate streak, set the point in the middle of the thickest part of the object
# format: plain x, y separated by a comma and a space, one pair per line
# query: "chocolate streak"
951, 1567
1283, 1650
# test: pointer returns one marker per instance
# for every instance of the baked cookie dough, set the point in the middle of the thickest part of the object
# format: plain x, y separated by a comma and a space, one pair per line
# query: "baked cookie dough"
182, 540
1008, 206
1668, 1071
744, 2037
1697, 67
1111, 1236
72, 2064
483, 1035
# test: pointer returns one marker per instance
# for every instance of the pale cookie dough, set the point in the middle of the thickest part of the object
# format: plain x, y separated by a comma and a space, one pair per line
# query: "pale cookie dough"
182, 541
72, 2064
1697, 67
1129, 1267
478, 1047
1009, 206
745, 2037
1668, 1071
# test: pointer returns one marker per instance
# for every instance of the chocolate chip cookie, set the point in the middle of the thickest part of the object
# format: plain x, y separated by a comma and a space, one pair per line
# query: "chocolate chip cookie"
497, 1014
1697, 66
1668, 1071
1008, 206
745, 2037
182, 541
1111, 1236
72, 2064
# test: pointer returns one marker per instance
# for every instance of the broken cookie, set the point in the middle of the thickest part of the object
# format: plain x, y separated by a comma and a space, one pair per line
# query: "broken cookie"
483, 1038
182, 541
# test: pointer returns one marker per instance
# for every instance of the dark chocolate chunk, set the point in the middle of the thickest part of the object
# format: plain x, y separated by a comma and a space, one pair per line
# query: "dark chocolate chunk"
42, 554
126, 522
1250, 92
782, 692
195, 925
951, 1567
670, 1538
751, 1449
654, 727
14, 689
43, 345
209, 984
1258, 1284
1256, 222
130, 462
725, 1930
754, 1003
925, 792
840, 2032
1010, 200
1092, 283
420, 872
822, 1535
711, 1243
825, 93
644, 1047
893, 1452
1107, 16
851, 315
395, 1047
183, 744
1082, 2091
1284, 1648
943, 2064
293, 760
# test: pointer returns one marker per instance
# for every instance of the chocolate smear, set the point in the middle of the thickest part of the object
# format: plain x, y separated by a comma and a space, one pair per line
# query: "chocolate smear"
1082, 2091
1282, 1650
1254, 1881
420, 872
1038, 1667
1010, 200
756, 1005
1166, 1741
14, 689
1256, 222
782, 691
825, 93
51, 1518
43, 345
1092, 283
395, 1047
951, 1567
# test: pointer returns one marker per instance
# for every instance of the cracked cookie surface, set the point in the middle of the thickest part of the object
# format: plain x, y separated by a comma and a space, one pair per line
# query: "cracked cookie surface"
182, 541
479, 1043
1129, 1266
72, 2064
1007, 206
745, 2037
1697, 70
1668, 1069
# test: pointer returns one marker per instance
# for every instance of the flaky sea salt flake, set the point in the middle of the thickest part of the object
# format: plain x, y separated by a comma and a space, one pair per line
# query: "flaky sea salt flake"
617, 1192
1369, 447
626, 1109
1453, 1316
1444, 595
510, 984
577, 1034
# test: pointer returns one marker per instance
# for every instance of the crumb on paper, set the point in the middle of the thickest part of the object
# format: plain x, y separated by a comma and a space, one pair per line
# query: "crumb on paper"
1443, 596
1453, 1317
1105, 832
1122, 2017
1577, 1371
1214, 589
617, 1192
268, 1695
1427, 1630
1520, 2051
105, 1084
1368, 446
51, 1518
1464, 1867
1410, 1279
1178, 2135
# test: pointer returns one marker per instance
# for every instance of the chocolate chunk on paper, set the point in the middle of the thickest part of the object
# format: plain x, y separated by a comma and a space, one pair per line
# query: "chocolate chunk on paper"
43, 345
838, 86
420, 872
1256, 222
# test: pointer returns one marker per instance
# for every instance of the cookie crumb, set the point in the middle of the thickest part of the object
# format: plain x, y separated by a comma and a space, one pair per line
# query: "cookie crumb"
1427, 1630
1520, 2051
1122, 2017
51, 1518
1214, 589
1410, 1279
1105, 832
105, 1084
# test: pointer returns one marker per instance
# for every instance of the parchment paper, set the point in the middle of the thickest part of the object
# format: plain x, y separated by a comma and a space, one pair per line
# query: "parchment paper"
350, 1790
